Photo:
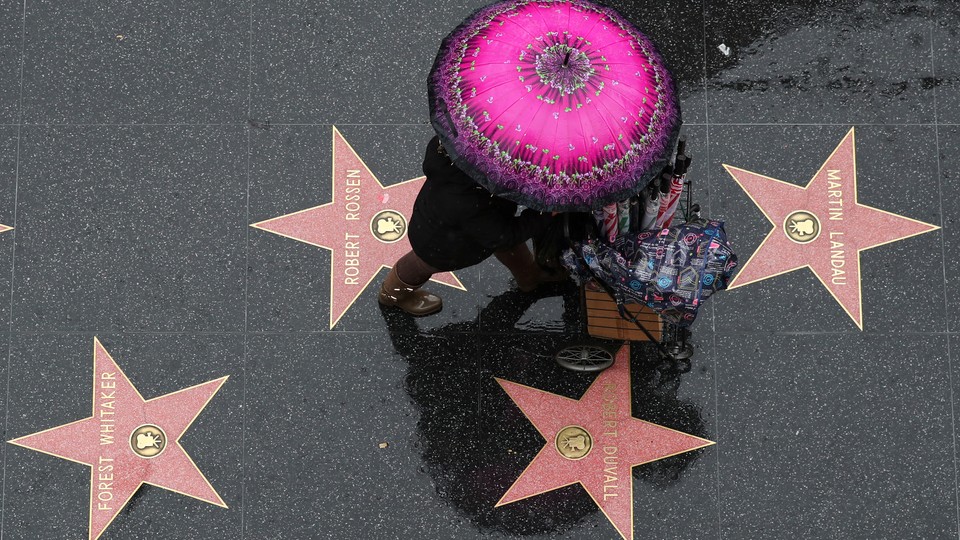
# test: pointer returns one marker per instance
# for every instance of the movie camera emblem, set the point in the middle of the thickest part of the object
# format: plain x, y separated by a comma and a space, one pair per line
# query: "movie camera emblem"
148, 441
802, 227
574, 442
388, 226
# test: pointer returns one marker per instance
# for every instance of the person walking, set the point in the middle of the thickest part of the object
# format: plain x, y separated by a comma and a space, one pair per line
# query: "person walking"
457, 223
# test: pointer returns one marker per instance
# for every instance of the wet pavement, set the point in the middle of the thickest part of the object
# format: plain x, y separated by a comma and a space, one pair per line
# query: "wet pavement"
140, 141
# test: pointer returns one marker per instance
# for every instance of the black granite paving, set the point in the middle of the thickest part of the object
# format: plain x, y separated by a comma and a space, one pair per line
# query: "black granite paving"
139, 140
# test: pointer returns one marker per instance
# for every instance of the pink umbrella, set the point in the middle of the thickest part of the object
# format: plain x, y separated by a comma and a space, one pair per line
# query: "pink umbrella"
555, 104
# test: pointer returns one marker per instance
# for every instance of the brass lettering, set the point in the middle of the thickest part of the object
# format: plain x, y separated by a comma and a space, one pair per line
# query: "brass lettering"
837, 259
104, 493
352, 196
835, 195
352, 252
107, 403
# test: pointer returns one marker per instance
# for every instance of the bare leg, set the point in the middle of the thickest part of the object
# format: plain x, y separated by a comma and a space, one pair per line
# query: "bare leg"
413, 270
519, 260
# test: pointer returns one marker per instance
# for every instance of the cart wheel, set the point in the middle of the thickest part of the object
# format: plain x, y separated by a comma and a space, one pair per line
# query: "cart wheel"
678, 351
584, 356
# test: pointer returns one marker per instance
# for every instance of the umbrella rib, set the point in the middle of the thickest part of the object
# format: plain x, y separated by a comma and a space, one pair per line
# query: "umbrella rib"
622, 63
507, 108
494, 63
492, 86
555, 130
619, 99
526, 132
522, 27
583, 137
603, 117
628, 105
595, 23
543, 22
609, 43
508, 43
514, 103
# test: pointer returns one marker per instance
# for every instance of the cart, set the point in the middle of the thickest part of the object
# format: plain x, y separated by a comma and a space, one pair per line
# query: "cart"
605, 323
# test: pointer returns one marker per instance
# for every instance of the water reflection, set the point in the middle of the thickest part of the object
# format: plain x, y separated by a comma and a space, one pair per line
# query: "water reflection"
475, 442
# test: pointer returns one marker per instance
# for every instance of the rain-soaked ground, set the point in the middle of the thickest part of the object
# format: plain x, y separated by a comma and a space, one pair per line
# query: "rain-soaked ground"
139, 141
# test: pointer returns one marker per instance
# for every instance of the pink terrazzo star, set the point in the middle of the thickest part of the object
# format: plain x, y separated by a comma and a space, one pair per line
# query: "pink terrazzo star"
600, 423
364, 227
821, 227
130, 441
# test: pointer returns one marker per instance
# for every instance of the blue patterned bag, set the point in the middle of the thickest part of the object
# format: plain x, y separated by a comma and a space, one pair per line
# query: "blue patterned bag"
672, 271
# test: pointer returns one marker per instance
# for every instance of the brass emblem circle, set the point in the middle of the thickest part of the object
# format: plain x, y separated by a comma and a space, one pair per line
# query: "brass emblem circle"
388, 226
148, 441
802, 227
574, 442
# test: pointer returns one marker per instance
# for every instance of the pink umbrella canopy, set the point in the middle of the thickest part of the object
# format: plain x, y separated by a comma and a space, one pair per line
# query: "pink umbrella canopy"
555, 104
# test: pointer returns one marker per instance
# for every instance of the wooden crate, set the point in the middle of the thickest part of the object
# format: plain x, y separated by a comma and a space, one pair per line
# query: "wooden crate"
604, 320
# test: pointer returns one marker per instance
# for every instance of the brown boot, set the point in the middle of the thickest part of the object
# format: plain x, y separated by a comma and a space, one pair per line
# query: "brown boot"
395, 292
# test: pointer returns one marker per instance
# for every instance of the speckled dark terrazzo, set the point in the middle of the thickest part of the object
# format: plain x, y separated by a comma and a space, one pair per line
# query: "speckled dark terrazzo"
864, 449
305, 482
11, 43
946, 63
130, 228
149, 137
145, 63
8, 185
823, 61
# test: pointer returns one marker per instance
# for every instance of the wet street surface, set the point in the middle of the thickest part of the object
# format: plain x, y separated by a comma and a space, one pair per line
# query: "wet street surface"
176, 188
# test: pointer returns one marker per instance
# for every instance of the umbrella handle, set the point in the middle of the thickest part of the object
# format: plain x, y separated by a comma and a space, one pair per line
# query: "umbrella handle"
445, 111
